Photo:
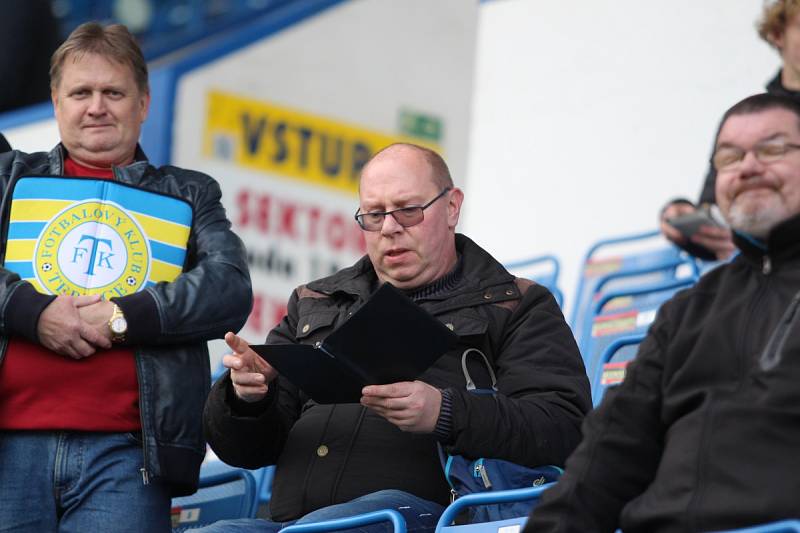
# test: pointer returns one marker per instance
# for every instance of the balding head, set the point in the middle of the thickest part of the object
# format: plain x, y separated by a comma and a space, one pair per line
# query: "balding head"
437, 168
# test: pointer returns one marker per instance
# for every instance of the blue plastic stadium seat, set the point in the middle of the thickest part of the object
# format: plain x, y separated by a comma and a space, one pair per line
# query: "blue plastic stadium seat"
542, 269
386, 515
783, 526
623, 313
610, 368
635, 260
512, 525
225, 492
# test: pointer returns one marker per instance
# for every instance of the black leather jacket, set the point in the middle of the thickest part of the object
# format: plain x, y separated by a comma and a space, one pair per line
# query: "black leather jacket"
329, 454
169, 323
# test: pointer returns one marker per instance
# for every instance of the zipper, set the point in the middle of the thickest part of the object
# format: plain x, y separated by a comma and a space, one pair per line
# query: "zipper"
447, 466
479, 470
766, 265
143, 470
145, 473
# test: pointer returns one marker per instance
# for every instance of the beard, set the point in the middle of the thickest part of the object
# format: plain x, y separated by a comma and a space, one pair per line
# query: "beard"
757, 221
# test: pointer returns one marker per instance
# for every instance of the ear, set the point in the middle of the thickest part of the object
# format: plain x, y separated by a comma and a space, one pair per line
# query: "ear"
456, 198
776, 39
145, 105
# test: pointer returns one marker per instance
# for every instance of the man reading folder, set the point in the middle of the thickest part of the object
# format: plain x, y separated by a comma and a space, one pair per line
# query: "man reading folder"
341, 459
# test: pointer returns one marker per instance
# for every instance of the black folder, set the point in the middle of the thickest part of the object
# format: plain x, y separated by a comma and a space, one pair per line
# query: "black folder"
389, 339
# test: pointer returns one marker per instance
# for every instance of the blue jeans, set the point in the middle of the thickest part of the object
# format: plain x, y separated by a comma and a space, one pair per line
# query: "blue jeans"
420, 515
76, 482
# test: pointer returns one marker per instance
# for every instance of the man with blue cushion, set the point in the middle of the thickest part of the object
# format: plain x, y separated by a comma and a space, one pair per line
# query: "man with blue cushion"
345, 459
103, 358
703, 433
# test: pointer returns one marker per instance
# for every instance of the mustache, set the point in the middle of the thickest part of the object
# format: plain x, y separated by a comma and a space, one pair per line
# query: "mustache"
752, 184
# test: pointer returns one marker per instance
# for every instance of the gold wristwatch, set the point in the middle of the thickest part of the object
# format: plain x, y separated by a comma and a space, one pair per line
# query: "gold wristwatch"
118, 325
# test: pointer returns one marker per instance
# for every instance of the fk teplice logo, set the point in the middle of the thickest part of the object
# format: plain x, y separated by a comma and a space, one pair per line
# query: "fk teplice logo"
92, 248
78, 236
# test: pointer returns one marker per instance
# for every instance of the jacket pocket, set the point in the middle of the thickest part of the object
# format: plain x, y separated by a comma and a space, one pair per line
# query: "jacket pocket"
466, 325
312, 325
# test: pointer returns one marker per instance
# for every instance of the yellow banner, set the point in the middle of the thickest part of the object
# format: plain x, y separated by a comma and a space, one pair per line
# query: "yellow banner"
269, 138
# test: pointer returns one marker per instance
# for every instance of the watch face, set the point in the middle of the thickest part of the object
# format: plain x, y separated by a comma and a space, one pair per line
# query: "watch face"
119, 325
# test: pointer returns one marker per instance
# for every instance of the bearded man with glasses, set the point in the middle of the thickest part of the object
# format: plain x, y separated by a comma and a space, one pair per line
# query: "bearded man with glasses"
779, 26
703, 434
344, 459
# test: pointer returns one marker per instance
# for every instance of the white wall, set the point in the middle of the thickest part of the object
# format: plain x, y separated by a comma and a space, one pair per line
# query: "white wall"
588, 115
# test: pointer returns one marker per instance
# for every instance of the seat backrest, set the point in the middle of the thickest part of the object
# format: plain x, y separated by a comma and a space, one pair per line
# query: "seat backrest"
622, 313
783, 526
264, 477
224, 492
611, 366
622, 262
543, 269
513, 525
352, 522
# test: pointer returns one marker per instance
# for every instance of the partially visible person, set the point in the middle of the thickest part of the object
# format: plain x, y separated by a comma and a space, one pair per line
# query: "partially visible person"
344, 459
780, 27
29, 34
703, 433
101, 400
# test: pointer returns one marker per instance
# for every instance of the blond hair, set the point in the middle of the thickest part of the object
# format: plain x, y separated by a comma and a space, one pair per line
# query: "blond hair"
114, 42
775, 17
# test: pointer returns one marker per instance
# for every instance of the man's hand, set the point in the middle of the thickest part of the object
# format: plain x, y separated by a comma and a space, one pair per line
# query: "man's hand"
250, 374
96, 316
410, 405
718, 240
671, 211
61, 329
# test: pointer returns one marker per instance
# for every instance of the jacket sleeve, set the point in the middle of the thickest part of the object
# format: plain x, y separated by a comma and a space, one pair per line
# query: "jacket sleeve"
211, 297
20, 304
253, 435
619, 454
544, 392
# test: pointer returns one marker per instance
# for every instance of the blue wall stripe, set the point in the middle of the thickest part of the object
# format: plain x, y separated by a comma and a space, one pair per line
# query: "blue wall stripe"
156, 137
157, 132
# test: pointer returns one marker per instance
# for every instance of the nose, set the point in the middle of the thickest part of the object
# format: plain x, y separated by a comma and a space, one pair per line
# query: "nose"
390, 225
97, 104
750, 165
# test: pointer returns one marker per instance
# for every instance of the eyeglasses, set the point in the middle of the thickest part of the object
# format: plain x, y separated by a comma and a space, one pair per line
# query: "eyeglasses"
729, 157
405, 216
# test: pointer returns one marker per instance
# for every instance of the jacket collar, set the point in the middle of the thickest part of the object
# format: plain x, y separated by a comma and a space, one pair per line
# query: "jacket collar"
59, 153
782, 244
480, 270
776, 87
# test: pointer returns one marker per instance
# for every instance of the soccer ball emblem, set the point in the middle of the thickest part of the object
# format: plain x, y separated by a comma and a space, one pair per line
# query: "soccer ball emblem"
47, 267
130, 280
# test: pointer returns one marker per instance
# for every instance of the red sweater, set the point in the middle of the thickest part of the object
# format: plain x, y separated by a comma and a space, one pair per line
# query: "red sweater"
42, 390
